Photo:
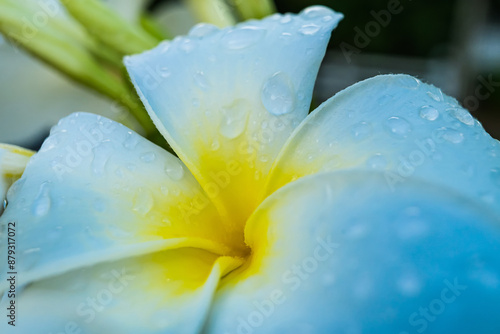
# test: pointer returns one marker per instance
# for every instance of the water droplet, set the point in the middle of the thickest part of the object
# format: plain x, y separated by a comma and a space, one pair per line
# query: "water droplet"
257, 175
451, 135
278, 94
287, 18
187, 45
463, 116
495, 176
309, 29
398, 126
131, 141
32, 250
203, 30
148, 157
143, 202
429, 113
164, 72
100, 159
42, 202
196, 103
361, 131
49, 143
409, 285
234, 118
119, 172
378, 161
315, 12
385, 99
409, 82
241, 38
99, 205
201, 81
215, 145
174, 169
165, 46
164, 190
54, 234
438, 96
334, 162
264, 158
131, 167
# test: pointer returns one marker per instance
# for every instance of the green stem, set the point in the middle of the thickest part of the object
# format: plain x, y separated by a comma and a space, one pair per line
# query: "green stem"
109, 28
216, 12
255, 9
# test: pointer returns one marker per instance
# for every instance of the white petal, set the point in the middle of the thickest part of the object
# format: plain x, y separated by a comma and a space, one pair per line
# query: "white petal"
165, 292
226, 100
97, 191
399, 125
13, 160
342, 253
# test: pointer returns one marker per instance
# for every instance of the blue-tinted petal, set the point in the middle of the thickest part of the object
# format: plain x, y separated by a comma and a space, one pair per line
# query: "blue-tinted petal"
399, 125
340, 252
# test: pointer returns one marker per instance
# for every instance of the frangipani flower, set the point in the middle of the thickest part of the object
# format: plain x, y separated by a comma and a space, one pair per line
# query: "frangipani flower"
377, 213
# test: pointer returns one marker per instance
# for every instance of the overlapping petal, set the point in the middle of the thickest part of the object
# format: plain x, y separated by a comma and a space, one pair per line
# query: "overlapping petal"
13, 160
399, 125
227, 100
97, 192
353, 256
164, 292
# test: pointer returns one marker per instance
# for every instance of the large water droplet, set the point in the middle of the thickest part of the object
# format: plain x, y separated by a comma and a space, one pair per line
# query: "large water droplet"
174, 169
203, 30
314, 12
242, 38
309, 29
436, 96
286, 18
463, 116
42, 202
143, 202
361, 130
398, 126
234, 118
278, 95
429, 113
451, 135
